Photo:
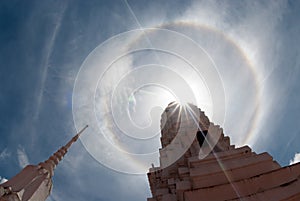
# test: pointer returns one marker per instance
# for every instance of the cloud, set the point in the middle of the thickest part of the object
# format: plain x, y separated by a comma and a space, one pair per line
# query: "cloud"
254, 28
53, 197
22, 157
46, 61
296, 159
4, 154
2, 180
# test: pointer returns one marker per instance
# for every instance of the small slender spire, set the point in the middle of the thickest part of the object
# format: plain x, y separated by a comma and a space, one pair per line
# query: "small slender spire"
34, 182
53, 160
75, 138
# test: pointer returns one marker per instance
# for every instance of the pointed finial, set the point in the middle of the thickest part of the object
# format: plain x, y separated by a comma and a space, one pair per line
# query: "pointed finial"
75, 138
34, 181
53, 160
83, 129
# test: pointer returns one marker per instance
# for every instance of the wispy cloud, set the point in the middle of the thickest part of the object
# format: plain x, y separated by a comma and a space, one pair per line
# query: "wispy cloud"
46, 61
240, 23
53, 197
22, 157
4, 154
296, 159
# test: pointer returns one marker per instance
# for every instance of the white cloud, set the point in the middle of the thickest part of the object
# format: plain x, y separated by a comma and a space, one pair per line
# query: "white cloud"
253, 27
296, 159
4, 154
22, 157
53, 196
46, 61
2, 180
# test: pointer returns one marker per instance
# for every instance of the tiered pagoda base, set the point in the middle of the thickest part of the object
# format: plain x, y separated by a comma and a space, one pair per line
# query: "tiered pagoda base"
226, 173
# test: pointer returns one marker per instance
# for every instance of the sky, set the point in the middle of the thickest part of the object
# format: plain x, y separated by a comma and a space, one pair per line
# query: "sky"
115, 65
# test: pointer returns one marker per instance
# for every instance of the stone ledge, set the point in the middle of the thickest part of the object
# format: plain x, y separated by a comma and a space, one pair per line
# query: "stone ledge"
245, 150
234, 174
251, 185
276, 194
227, 164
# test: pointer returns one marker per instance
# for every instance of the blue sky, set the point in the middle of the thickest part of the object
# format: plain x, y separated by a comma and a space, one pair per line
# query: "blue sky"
254, 45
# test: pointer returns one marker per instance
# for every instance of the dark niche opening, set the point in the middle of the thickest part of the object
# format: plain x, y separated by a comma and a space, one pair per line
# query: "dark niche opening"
201, 136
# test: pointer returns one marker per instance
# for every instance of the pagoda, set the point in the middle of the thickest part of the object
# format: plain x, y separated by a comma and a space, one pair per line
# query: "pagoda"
34, 182
209, 168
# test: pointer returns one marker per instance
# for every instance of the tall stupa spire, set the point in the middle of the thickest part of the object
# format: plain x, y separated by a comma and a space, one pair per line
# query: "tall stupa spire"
53, 160
34, 182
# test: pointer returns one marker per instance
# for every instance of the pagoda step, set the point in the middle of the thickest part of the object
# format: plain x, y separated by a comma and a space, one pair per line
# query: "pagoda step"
234, 153
234, 174
280, 193
249, 186
295, 197
221, 165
